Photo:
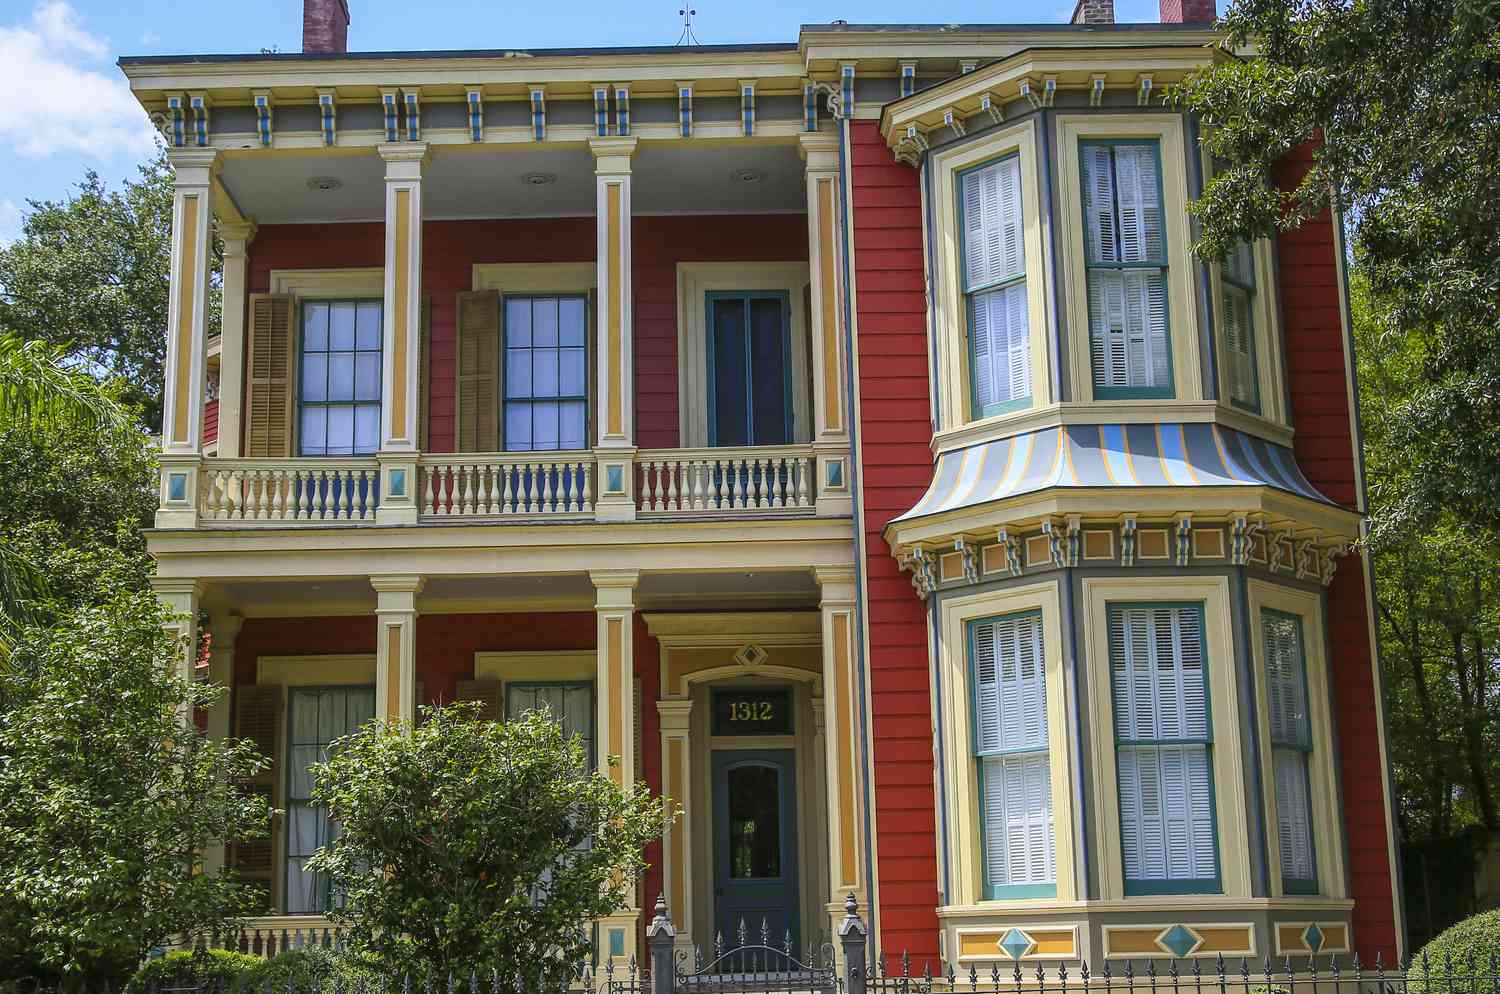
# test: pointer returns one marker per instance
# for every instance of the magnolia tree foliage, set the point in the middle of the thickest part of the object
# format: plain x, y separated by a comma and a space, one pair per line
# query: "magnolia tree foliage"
110, 795
467, 845
1403, 100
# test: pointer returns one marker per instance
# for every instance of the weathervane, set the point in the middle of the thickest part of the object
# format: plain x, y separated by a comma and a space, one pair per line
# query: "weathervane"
687, 37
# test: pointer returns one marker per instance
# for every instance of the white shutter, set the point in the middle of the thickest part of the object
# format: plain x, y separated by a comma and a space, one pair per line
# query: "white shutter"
1001, 346
994, 248
1293, 814
1019, 847
1127, 309
1138, 181
1099, 202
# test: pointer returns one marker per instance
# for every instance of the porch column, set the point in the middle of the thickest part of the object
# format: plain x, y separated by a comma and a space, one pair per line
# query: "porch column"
187, 336
400, 348
830, 419
844, 764
614, 607
223, 629
237, 238
616, 414
677, 844
396, 646
181, 598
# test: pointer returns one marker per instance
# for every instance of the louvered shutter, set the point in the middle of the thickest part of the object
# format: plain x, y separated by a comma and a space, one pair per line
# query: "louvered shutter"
477, 372
257, 717
1291, 742
994, 249
1099, 204
489, 693
1011, 737
995, 252
268, 387
1160, 693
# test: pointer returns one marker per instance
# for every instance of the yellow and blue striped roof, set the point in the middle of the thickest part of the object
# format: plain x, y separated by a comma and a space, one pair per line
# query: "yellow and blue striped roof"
1121, 455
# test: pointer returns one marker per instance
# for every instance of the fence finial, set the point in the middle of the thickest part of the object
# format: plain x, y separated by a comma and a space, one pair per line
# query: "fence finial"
661, 924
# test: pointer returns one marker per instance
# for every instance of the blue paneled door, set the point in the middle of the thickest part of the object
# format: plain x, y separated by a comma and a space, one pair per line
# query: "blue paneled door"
749, 369
755, 845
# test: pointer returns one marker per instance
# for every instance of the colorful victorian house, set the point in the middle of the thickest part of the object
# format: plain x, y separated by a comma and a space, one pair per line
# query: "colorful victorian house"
840, 432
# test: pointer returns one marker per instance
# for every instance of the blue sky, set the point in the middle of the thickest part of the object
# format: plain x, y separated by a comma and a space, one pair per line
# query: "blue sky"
67, 108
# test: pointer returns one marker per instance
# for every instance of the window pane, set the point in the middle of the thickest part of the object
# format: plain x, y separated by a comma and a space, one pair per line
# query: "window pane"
314, 431
518, 426
1000, 340
366, 428
768, 372
731, 414
1239, 344
1010, 711
754, 822
367, 376
572, 425
341, 376
544, 372
544, 321
994, 249
1286, 685
340, 430
367, 325
518, 373
517, 321
1019, 845
1128, 328
341, 327
544, 418
314, 376
315, 327
572, 321
1294, 814
573, 375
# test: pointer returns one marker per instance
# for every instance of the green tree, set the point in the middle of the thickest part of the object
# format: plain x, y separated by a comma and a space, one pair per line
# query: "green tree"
91, 274
1402, 100
473, 845
110, 795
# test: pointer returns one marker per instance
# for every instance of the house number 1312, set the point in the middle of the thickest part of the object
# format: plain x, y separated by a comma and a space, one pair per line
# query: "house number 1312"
751, 711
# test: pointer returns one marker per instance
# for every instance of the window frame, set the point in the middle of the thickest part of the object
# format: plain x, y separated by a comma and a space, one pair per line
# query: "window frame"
502, 397
300, 384
590, 685
1252, 293
1267, 346
1166, 885
991, 891
783, 297
1293, 885
975, 411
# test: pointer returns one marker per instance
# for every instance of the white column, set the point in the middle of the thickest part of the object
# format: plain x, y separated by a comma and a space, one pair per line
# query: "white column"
400, 354
180, 597
223, 629
830, 383
677, 840
396, 646
187, 336
845, 780
614, 607
237, 238
616, 413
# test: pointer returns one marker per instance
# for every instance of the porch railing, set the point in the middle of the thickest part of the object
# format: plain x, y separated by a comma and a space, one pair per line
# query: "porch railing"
295, 490
749, 480
506, 485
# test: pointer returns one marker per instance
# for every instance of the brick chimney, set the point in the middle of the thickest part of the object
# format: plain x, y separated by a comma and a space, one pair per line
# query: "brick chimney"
325, 26
1188, 11
1094, 12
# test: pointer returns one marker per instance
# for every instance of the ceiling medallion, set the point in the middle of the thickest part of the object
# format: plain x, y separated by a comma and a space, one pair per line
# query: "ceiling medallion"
538, 179
748, 175
324, 184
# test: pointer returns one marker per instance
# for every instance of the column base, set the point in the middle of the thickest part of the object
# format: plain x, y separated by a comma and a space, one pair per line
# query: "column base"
835, 499
177, 505
614, 484
398, 488
617, 940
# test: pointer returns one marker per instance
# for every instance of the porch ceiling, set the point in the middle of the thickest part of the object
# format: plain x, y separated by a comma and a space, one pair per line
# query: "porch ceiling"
492, 181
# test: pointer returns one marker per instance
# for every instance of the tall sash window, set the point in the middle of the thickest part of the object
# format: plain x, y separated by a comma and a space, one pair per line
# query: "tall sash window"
1011, 748
1126, 249
340, 378
571, 705
1291, 747
546, 373
994, 280
1237, 304
317, 717
1163, 743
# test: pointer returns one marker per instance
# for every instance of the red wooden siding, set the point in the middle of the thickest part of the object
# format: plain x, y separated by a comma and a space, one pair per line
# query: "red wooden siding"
210, 422
452, 248
1325, 449
896, 466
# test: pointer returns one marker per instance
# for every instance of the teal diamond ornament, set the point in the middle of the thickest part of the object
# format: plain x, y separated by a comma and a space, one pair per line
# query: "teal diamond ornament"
1179, 941
1016, 943
1314, 938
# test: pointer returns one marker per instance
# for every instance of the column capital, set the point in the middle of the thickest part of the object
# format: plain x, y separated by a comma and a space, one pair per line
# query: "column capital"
398, 584
397, 153
237, 236
820, 150
835, 585
225, 628
612, 155
675, 713
614, 589
166, 586
193, 166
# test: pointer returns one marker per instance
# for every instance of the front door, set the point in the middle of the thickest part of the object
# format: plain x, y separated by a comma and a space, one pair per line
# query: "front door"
755, 845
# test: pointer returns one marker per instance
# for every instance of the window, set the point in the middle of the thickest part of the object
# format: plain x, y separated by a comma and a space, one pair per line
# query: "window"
1126, 263
1237, 301
749, 359
1291, 747
994, 280
1159, 682
340, 378
570, 704
546, 373
1011, 747
317, 717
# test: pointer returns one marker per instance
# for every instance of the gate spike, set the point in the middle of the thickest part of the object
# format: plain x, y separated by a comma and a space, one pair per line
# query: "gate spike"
765, 931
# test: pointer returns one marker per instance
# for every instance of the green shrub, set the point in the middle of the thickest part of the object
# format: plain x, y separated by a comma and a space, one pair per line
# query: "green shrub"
214, 969
1447, 957
302, 968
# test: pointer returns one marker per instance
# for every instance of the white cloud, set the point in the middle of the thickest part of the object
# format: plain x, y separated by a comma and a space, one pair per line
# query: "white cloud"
62, 96
10, 222
149, 38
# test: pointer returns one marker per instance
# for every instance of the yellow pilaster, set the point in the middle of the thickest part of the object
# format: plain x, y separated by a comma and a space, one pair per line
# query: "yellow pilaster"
401, 346
614, 608
830, 416
845, 768
616, 374
396, 646
677, 845
236, 237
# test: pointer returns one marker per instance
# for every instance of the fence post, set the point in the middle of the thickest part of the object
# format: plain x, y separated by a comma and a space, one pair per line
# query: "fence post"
852, 941
660, 942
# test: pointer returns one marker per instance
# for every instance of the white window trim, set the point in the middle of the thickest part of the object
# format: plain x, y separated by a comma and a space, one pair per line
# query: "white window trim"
949, 313
324, 284
960, 771
1182, 311
1328, 835
694, 280
536, 277
1227, 764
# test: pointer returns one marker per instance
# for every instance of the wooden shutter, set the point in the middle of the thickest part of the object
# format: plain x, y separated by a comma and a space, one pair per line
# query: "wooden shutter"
488, 692
257, 717
477, 372
994, 249
269, 384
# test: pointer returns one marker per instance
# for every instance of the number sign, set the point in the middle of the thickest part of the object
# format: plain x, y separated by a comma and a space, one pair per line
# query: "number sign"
753, 712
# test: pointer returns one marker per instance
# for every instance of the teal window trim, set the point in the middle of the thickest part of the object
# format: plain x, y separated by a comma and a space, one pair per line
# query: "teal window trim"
976, 411
1249, 289
1302, 886
998, 892
503, 393
1190, 885
588, 685
1160, 264
302, 402
715, 297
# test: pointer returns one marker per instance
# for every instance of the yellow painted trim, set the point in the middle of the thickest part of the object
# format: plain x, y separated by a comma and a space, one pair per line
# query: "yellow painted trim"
614, 652
312, 671
402, 264
949, 312
1328, 835
393, 671
1187, 370
1228, 768
1215, 939
559, 665
1289, 940
312, 284
843, 692
676, 847
833, 395
615, 309
535, 277
188, 281
961, 779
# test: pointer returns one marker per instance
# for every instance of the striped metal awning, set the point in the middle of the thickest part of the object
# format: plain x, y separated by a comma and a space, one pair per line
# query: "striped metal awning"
1110, 456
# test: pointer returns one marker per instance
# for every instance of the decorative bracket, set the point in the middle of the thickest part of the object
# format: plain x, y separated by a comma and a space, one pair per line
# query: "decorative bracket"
475, 100
1183, 540
923, 570
263, 119
1012, 546
1075, 539
970, 556
199, 102
1143, 89
1127, 540
1280, 552
955, 122
989, 106
1054, 540
412, 102
1329, 556
328, 116
1096, 91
